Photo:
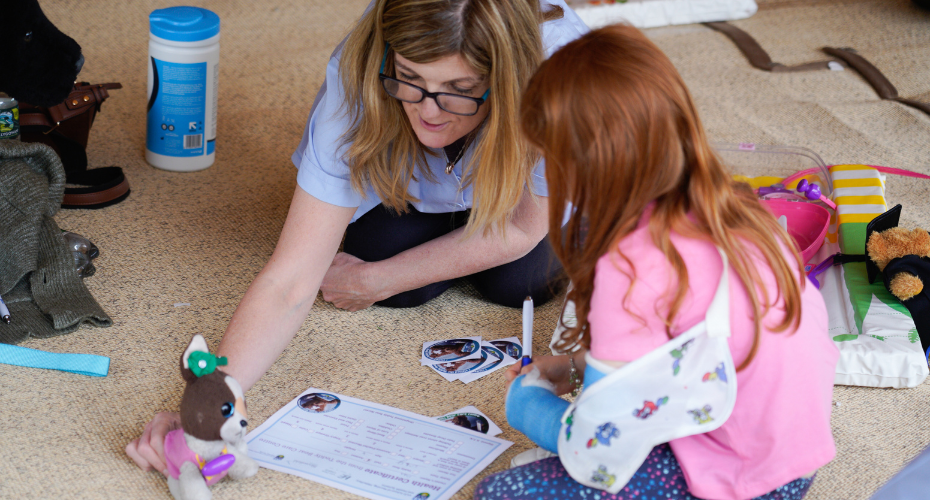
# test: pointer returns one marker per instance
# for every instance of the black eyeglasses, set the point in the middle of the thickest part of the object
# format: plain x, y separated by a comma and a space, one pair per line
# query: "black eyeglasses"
452, 103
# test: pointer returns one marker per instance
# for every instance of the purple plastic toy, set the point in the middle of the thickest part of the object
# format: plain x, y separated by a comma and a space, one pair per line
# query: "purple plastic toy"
819, 269
774, 188
812, 192
219, 464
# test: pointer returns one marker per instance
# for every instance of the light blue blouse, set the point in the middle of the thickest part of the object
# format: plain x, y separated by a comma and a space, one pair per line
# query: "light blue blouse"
324, 174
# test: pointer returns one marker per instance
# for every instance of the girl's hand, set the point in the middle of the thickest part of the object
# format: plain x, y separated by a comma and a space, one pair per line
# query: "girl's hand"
148, 451
555, 369
348, 284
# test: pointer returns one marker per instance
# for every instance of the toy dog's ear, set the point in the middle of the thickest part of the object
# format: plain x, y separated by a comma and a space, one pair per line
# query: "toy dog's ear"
920, 243
884, 221
877, 249
197, 344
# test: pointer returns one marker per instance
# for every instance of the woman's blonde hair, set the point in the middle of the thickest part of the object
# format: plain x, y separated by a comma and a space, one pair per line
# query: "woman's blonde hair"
499, 39
619, 131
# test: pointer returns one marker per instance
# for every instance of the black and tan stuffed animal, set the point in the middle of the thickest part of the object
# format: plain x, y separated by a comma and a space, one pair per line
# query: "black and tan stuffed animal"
903, 257
38, 63
211, 442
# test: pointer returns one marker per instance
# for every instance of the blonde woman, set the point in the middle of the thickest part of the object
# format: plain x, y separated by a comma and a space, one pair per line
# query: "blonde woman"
413, 152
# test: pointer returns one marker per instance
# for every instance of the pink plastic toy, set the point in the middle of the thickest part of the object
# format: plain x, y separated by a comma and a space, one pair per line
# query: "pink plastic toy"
807, 224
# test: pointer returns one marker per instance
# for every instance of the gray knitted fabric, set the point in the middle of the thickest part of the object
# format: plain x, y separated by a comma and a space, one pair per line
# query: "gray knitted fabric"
38, 280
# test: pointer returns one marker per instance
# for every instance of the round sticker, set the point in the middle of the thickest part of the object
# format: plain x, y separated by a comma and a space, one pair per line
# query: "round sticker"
451, 350
461, 366
471, 421
318, 402
494, 357
511, 348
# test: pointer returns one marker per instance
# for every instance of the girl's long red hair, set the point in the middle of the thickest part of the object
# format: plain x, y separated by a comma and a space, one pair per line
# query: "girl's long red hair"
619, 130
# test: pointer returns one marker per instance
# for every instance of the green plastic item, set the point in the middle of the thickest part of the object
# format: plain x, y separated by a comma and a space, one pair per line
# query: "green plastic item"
204, 363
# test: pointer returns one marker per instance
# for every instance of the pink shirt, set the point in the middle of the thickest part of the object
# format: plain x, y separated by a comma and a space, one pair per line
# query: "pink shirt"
780, 428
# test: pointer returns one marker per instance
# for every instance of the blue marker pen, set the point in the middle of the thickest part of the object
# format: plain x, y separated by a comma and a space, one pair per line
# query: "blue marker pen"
4, 312
527, 331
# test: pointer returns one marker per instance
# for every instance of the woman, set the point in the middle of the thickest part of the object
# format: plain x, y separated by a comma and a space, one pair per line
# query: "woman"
413, 151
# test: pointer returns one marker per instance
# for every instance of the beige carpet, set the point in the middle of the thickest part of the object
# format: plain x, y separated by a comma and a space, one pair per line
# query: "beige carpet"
200, 238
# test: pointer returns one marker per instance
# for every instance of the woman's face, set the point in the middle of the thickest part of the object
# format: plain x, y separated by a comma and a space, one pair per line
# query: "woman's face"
434, 127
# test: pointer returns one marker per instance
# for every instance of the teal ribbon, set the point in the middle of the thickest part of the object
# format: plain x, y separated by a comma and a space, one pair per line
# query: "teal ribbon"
204, 363
82, 364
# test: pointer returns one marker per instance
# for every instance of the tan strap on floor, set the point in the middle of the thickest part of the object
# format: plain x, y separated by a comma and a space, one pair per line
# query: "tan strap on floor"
846, 57
757, 56
883, 87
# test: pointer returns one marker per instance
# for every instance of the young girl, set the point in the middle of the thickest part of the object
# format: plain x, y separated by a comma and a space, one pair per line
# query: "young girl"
655, 212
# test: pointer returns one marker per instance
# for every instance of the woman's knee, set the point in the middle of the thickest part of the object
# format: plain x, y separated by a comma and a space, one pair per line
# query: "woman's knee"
538, 275
383, 233
418, 297
510, 289
508, 294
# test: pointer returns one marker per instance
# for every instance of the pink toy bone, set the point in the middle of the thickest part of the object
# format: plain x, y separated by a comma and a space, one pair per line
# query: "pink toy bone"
812, 192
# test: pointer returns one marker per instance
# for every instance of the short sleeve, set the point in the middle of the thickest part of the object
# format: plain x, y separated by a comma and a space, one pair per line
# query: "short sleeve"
558, 32
322, 172
540, 188
619, 334
555, 34
626, 328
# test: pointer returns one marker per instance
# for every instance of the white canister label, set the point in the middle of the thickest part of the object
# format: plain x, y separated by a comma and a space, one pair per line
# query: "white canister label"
177, 110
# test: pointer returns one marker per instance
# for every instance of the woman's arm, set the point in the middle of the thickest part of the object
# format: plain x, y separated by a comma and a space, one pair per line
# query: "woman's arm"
272, 310
278, 301
354, 284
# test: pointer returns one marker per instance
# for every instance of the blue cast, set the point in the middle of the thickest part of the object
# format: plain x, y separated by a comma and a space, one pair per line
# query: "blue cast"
537, 412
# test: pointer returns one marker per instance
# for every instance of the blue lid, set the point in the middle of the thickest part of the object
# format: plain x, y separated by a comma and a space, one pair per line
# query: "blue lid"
184, 24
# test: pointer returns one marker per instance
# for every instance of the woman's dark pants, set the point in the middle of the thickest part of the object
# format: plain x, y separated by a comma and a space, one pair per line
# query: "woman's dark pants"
382, 233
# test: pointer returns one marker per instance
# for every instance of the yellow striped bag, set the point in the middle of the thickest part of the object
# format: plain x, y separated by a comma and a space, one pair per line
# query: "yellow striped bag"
875, 334
878, 341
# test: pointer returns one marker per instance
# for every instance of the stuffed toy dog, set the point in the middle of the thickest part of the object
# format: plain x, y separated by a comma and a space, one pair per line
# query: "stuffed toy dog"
211, 442
903, 257
38, 63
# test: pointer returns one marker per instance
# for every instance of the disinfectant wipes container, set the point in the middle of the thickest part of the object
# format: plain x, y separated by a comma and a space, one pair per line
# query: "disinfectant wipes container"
184, 56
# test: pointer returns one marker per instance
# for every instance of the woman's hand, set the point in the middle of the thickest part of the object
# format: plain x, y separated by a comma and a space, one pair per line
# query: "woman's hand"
555, 369
148, 451
349, 284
